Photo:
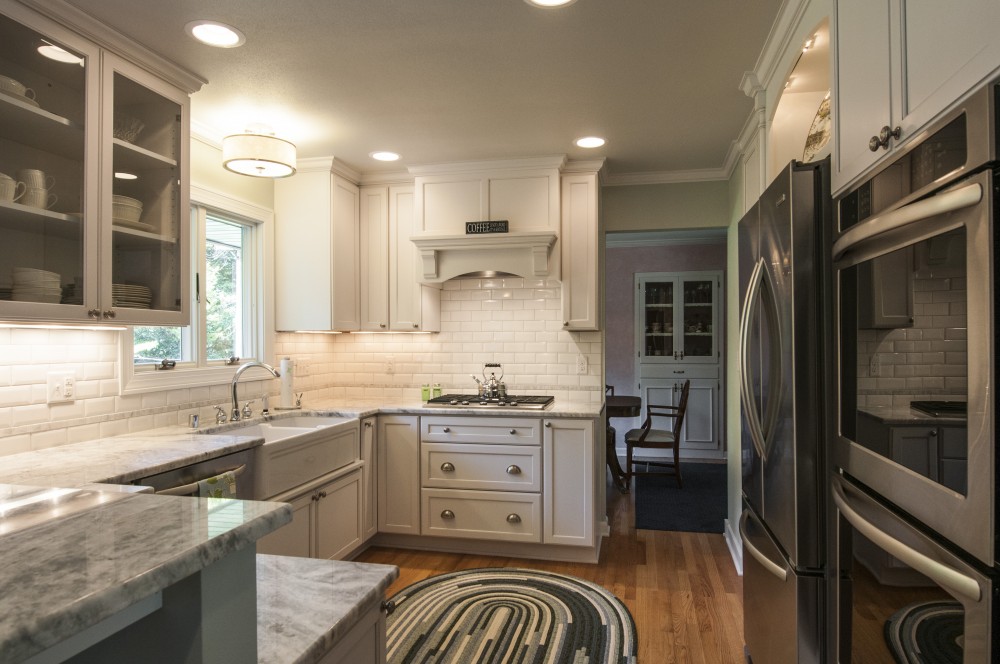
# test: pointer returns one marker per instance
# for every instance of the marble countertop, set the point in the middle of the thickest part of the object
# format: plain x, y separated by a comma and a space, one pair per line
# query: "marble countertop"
368, 407
905, 415
71, 558
304, 606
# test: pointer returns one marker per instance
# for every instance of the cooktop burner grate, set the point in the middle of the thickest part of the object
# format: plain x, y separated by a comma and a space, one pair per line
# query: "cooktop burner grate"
940, 408
512, 401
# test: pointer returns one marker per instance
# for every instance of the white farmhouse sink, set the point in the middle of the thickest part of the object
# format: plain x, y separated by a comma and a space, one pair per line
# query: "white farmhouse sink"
299, 449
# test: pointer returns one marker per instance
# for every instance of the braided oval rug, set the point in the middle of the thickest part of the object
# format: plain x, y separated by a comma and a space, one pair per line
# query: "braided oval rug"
509, 616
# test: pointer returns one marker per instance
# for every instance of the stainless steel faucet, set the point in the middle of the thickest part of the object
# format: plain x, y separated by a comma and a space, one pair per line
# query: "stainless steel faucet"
236, 377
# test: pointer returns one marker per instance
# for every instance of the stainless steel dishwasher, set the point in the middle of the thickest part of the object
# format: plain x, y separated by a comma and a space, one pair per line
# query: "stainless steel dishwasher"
184, 481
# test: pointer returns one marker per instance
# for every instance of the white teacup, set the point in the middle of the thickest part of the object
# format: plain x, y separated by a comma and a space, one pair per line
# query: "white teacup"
39, 198
35, 179
10, 191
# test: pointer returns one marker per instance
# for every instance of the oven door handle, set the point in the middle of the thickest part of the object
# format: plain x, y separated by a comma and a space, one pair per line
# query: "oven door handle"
942, 203
941, 574
758, 555
188, 489
746, 397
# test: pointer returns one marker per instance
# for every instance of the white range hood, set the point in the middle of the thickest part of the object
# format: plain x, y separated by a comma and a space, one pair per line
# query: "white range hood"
526, 254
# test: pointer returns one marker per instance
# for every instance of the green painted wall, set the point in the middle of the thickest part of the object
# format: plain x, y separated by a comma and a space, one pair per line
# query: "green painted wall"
656, 207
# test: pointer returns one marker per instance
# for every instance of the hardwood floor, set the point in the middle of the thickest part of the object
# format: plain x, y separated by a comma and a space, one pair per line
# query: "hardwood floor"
681, 588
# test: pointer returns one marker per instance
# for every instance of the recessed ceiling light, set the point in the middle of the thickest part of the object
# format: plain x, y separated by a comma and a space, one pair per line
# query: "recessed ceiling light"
214, 33
59, 54
122, 175
550, 3
383, 155
590, 142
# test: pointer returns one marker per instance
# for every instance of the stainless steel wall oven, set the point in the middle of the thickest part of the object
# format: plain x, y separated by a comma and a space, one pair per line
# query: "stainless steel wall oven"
915, 452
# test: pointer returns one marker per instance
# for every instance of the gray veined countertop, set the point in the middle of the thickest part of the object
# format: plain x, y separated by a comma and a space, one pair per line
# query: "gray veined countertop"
72, 558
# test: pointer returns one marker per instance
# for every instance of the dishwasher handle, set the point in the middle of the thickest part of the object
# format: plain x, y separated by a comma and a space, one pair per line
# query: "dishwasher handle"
188, 489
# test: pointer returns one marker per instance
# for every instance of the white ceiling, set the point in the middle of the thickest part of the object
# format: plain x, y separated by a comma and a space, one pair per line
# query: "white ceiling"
460, 80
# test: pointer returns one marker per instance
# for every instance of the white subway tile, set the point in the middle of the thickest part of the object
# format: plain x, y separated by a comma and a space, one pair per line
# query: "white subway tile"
15, 444
33, 414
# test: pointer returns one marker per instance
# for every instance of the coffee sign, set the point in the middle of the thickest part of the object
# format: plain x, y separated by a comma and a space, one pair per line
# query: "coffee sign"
481, 227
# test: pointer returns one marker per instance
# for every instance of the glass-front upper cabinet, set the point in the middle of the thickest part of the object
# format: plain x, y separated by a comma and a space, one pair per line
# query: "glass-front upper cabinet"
677, 317
93, 180
48, 84
143, 198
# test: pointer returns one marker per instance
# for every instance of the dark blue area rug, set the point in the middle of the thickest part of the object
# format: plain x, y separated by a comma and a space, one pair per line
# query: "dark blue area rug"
700, 507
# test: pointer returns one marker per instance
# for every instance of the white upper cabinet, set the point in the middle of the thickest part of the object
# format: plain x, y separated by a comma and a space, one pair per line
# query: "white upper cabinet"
392, 297
580, 243
316, 251
899, 65
82, 244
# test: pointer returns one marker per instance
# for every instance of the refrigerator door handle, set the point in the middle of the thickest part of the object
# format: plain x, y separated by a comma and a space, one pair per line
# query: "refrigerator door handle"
761, 431
749, 407
938, 572
758, 555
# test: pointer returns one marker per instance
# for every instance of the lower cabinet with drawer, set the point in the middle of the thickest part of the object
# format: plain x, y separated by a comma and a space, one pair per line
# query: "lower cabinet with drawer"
494, 515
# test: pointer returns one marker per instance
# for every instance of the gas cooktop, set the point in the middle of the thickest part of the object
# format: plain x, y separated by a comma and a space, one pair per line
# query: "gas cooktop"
475, 401
941, 408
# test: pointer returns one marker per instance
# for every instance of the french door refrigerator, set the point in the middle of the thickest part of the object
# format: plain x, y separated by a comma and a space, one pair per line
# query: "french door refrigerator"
785, 333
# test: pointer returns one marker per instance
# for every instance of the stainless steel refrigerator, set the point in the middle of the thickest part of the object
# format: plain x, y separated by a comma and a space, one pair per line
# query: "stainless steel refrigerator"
785, 342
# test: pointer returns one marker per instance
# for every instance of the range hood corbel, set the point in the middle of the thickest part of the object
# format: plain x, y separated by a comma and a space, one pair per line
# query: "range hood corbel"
526, 254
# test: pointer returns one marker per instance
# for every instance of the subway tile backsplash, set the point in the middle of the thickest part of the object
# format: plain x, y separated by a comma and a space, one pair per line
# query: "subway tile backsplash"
516, 322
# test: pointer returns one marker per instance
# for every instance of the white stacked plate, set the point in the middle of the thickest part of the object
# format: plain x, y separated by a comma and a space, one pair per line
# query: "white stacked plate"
32, 285
131, 296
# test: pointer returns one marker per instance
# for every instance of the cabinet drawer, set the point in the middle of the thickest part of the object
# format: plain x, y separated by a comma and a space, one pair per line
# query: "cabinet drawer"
486, 430
512, 517
491, 467
673, 371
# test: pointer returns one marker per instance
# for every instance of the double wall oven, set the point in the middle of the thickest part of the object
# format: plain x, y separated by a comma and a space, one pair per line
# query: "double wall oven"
914, 455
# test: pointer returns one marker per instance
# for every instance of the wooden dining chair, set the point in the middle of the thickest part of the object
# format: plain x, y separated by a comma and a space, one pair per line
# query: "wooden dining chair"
646, 437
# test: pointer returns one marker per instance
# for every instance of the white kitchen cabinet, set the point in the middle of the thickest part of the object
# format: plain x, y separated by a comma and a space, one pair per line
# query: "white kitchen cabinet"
369, 477
363, 644
569, 479
580, 245
80, 127
316, 250
398, 453
326, 517
701, 434
677, 317
901, 64
392, 297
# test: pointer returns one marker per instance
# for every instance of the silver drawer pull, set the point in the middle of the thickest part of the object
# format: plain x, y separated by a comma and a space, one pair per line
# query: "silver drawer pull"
513, 431
513, 470
448, 467
447, 514
513, 519
446, 429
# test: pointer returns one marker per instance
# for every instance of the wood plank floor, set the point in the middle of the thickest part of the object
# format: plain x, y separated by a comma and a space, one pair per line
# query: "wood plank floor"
681, 588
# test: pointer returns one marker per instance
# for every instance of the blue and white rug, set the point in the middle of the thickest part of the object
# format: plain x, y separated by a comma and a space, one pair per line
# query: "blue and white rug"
506, 616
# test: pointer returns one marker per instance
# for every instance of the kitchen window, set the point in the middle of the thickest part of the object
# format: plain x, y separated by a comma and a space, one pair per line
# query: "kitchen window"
228, 314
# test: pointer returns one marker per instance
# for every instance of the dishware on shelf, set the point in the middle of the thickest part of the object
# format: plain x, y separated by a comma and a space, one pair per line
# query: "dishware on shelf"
127, 128
39, 198
14, 87
131, 296
125, 209
33, 285
10, 190
35, 179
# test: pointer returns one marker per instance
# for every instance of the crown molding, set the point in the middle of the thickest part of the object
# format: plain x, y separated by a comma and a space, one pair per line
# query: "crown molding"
621, 240
554, 161
110, 39
385, 178
780, 39
327, 165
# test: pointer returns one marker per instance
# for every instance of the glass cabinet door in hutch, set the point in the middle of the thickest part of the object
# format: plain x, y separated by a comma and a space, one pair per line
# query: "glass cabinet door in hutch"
148, 208
677, 317
48, 96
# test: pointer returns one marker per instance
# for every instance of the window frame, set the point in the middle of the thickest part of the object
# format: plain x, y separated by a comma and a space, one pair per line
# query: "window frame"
260, 319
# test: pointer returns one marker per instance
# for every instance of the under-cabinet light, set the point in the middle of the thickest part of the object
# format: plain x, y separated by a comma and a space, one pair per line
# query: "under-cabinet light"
40, 326
550, 3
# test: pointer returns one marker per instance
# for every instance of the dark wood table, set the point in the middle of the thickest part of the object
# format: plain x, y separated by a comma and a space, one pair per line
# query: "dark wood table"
618, 406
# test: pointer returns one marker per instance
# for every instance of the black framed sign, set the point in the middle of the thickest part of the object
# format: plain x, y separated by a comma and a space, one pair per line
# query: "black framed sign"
481, 227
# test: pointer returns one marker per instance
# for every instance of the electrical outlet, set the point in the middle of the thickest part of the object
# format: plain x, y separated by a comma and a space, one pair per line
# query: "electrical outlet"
581, 364
61, 387
390, 364
302, 367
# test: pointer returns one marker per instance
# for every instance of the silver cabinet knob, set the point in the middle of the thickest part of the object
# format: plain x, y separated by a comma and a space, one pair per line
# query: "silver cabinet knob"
448, 467
446, 429
548, 425
388, 607
512, 431
884, 136
382, 325
315, 497
110, 314
566, 323
874, 144
368, 425
513, 470
93, 313
933, 432
322, 494
447, 514
513, 519
416, 327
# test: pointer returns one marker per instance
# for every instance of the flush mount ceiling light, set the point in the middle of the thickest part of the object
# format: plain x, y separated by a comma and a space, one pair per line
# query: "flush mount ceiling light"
259, 153
550, 3
384, 155
590, 142
58, 53
214, 33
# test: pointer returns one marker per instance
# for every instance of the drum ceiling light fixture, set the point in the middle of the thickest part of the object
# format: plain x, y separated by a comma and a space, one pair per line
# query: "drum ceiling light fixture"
257, 152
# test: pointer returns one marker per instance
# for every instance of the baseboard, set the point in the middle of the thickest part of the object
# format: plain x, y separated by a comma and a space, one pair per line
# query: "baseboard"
735, 545
571, 554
